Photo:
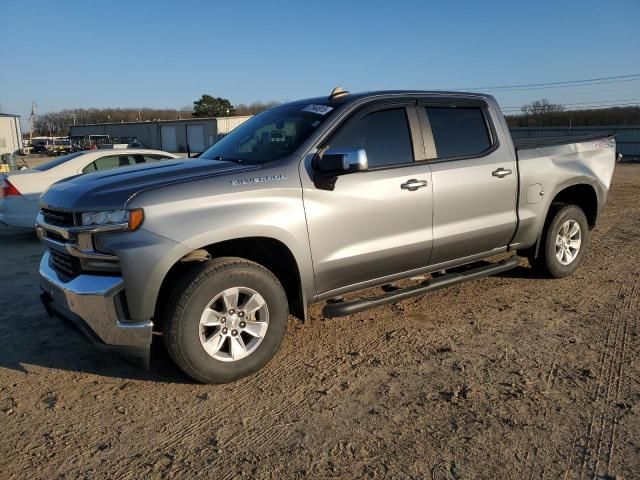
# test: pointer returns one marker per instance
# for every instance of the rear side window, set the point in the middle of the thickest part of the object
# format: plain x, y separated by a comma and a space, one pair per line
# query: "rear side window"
109, 162
458, 131
384, 135
151, 158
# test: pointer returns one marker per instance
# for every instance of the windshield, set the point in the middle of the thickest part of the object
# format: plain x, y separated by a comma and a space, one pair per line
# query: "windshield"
58, 161
269, 136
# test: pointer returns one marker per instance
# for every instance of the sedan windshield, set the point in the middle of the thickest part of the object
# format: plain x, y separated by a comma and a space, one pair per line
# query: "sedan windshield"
270, 135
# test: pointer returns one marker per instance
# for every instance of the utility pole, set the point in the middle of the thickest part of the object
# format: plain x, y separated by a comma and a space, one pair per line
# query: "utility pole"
32, 119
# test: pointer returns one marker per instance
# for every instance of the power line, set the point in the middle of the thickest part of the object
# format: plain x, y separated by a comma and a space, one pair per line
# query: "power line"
588, 81
627, 101
608, 82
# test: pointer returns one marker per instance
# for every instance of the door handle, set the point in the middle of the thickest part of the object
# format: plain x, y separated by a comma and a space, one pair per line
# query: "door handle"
413, 184
501, 172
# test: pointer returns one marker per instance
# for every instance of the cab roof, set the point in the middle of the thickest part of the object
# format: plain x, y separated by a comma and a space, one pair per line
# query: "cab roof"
353, 97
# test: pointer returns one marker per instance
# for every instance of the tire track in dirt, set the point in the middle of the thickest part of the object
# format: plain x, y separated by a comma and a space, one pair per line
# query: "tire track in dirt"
188, 426
604, 420
260, 433
261, 437
600, 256
630, 305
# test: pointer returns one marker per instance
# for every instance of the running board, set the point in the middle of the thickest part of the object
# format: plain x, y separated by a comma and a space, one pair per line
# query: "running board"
342, 309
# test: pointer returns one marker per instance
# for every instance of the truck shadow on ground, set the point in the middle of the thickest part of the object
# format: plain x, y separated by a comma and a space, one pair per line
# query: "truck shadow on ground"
59, 346
29, 339
522, 272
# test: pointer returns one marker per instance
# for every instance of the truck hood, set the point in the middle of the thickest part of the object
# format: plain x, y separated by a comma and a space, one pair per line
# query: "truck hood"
112, 189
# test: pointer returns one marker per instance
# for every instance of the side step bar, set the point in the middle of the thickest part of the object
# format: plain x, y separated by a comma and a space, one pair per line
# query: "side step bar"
342, 309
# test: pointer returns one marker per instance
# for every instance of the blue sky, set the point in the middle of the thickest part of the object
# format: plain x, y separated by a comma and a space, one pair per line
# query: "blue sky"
68, 54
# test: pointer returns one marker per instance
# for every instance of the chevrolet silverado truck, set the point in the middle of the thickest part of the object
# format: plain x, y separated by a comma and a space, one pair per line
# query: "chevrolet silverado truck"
304, 203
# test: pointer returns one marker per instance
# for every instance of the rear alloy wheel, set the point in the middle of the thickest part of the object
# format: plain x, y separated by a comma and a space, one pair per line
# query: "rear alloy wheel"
225, 320
563, 242
568, 242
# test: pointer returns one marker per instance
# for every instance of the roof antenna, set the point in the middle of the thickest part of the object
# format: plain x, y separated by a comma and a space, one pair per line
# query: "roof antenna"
337, 93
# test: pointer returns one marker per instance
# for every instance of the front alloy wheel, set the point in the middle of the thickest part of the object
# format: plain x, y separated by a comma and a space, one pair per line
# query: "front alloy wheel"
225, 319
234, 324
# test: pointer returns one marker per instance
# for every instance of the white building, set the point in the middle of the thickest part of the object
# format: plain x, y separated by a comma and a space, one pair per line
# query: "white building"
10, 134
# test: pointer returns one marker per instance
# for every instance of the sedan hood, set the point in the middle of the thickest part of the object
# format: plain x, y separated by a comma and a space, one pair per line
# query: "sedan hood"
112, 189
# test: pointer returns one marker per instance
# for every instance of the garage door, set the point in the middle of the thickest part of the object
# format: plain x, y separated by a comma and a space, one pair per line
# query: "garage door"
195, 137
168, 135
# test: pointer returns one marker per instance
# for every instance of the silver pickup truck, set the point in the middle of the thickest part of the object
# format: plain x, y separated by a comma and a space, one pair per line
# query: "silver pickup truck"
304, 203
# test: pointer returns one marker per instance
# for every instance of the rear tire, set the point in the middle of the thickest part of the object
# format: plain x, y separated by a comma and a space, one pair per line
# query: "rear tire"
563, 243
225, 320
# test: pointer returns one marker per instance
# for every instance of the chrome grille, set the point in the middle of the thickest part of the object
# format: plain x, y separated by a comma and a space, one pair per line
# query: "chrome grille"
58, 217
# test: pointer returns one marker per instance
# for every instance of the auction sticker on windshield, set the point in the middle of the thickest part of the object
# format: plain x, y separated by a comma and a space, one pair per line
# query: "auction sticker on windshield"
319, 109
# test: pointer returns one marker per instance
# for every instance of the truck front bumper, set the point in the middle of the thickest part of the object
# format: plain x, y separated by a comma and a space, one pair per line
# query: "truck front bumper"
95, 305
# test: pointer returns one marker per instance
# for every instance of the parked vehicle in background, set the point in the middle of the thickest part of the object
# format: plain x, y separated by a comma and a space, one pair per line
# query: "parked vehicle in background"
122, 142
40, 144
306, 202
59, 146
26, 147
21, 190
89, 142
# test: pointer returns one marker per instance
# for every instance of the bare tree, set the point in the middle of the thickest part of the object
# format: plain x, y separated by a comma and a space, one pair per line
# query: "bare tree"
541, 107
59, 123
579, 118
254, 108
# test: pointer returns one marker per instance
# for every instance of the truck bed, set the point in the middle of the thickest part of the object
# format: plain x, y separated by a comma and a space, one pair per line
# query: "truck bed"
526, 143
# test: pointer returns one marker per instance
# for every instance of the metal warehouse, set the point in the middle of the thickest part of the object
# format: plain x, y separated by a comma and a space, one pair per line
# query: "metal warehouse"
168, 135
10, 135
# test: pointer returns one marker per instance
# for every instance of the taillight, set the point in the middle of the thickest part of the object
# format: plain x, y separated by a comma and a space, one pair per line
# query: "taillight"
8, 190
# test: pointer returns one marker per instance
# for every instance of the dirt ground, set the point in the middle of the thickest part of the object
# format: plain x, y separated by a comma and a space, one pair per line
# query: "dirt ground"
506, 377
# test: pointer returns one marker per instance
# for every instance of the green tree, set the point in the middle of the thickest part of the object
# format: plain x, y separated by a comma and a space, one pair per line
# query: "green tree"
209, 106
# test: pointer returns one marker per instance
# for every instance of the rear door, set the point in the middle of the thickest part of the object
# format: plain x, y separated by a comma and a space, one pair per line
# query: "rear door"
474, 180
370, 226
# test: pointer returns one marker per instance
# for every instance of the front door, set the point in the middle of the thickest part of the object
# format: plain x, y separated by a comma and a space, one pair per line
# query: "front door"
371, 225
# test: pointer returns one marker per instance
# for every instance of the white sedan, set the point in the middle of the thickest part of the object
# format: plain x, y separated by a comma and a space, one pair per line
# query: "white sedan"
21, 190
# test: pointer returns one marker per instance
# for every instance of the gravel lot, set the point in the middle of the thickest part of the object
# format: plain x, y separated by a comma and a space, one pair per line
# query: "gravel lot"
507, 377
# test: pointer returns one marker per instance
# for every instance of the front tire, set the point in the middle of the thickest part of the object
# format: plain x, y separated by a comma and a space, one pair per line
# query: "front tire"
563, 243
225, 320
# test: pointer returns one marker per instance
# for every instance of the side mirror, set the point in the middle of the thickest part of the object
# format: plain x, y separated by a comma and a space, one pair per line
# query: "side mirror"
341, 160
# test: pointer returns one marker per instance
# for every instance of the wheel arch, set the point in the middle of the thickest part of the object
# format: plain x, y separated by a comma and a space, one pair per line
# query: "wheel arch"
582, 195
269, 252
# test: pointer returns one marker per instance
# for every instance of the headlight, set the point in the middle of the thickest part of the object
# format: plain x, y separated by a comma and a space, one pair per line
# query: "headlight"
132, 219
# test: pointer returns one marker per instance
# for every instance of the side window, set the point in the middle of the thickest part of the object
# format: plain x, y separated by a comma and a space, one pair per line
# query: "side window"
116, 161
383, 134
109, 162
458, 131
150, 158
